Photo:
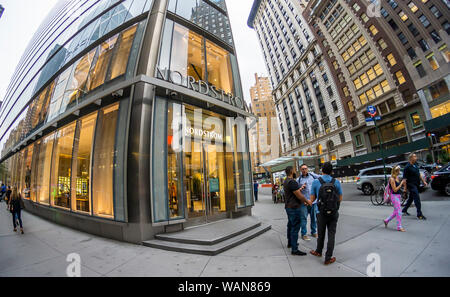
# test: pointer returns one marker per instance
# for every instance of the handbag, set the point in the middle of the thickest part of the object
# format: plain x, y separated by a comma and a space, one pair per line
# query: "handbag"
387, 193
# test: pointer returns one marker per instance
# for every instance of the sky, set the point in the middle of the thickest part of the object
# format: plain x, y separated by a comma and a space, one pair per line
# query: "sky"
21, 18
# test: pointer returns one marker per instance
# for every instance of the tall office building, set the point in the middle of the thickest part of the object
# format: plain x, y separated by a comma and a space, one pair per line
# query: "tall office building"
2, 9
122, 119
311, 116
263, 134
392, 55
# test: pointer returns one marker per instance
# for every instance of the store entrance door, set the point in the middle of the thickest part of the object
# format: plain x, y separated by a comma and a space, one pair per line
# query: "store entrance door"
205, 183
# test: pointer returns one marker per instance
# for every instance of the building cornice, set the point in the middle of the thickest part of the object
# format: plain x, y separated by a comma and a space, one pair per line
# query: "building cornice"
253, 13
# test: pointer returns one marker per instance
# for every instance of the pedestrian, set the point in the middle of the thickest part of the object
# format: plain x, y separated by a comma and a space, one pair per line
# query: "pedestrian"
16, 206
2, 192
328, 191
412, 175
396, 198
305, 181
294, 199
275, 192
8, 196
255, 189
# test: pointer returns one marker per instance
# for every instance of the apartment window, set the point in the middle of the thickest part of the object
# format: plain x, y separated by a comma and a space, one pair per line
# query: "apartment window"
412, 6
423, 19
424, 45
385, 86
365, 18
351, 107
371, 74
358, 140
370, 95
403, 16
330, 93
415, 120
342, 136
391, 104
356, 7
401, 80
446, 26
413, 29
378, 69
339, 122
391, 59
378, 90
363, 99
411, 53
382, 43
435, 36
433, 62
445, 53
373, 29
420, 69
435, 11
357, 83
393, 25
346, 92
402, 38
393, 4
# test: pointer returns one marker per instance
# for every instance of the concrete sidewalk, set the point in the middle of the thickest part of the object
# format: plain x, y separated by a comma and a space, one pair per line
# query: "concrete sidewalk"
421, 251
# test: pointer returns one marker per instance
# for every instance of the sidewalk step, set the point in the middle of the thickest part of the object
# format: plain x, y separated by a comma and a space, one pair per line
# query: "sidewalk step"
213, 233
209, 250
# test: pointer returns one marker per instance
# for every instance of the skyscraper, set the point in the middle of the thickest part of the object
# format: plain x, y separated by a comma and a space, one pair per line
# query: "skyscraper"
310, 114
389, 54
2, 9
263, 134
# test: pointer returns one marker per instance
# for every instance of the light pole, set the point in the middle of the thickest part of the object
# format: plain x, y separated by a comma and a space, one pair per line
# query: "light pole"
372, 111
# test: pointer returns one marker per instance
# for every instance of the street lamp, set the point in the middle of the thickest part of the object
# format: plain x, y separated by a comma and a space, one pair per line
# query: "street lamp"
372, 111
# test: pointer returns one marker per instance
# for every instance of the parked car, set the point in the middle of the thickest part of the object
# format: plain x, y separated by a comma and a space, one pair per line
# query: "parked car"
369, 178
422, 165
440, 180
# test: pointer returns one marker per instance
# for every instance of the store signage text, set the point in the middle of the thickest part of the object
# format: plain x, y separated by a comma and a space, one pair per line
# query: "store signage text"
202, 87
203, 133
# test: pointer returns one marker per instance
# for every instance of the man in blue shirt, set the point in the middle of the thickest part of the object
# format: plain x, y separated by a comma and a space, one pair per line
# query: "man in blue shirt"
305, 181
255, 189
2, 192
325, 222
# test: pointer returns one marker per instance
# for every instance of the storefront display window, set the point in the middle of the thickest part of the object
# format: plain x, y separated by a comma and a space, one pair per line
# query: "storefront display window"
43, 169
219, 67
61, 167
104, 162
82, 163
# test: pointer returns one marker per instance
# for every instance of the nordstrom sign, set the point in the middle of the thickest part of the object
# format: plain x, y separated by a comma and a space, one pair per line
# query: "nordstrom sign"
201, 87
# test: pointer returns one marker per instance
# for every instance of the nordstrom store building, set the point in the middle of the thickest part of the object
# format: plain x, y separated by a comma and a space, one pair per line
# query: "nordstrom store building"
125, 119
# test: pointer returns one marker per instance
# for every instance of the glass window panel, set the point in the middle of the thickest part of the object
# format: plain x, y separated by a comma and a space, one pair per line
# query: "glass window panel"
78, 80
120, 60
98, 74
61, 167
378, 69
26, 176
378, 91
385, 86
60, 87
104, 162
188, 53
81, 167
43, 169
371, 74
219, 67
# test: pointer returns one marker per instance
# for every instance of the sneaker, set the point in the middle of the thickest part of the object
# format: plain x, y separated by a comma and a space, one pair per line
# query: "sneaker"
298, 253
405, 213
306, 238
422, 217
21, 231
315, 235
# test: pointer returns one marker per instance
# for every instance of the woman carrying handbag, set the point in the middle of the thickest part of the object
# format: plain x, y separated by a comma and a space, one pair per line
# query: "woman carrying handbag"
394, 193
16, 206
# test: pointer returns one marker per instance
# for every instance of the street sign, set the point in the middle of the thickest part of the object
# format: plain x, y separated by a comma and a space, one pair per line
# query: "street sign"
373, 119
371, 110
369, 124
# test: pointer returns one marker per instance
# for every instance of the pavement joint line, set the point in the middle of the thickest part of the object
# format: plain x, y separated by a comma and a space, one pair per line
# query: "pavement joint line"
31, 264
207, 263
429, 243
287, 257
115, 268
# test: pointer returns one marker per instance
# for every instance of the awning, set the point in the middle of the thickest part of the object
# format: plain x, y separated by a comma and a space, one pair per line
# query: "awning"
281, 163
395, 151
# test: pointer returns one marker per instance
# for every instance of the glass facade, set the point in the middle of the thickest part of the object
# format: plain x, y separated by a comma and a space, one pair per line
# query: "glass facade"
57, 169
70, 28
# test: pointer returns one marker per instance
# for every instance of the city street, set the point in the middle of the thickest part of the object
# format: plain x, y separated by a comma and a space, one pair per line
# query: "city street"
421, 251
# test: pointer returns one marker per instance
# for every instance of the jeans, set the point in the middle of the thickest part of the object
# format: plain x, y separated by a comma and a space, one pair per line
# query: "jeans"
256, 195
325, 223
312, 211
293, 227
15, 215
413, 196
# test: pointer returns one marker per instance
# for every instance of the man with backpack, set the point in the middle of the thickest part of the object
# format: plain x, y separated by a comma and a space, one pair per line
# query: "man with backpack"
328, 192
294, 199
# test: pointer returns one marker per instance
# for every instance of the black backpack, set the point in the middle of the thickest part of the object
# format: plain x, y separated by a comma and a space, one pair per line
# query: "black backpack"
328, 197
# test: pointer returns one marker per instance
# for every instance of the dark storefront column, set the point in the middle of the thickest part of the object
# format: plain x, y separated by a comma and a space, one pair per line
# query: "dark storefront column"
138, 167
